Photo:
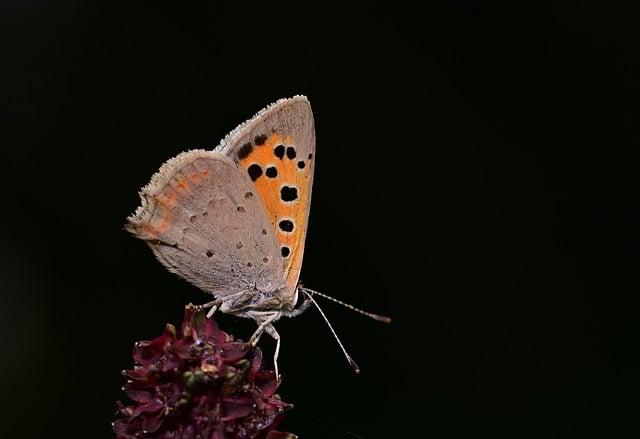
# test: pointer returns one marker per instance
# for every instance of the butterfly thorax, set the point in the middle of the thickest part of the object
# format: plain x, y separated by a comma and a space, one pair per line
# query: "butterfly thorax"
244, 303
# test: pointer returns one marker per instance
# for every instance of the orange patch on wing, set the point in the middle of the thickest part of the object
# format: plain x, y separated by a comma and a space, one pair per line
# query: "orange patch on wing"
166, 200
165, 223
149, 230
288, 174
158, 224
181, 182
195, 177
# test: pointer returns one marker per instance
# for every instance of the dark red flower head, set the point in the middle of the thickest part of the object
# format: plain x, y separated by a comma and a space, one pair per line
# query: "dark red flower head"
199, 383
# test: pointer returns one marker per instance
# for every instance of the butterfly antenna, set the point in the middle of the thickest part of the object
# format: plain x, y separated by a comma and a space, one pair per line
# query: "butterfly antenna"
377, 317
352, 363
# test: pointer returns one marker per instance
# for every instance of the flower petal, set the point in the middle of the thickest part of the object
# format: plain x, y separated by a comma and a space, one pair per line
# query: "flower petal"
141, 396
152, 406
147, 352
238, 407
218, 433
233, 351
136, 374
182, 349
266, 382
256, 361
120, 429
151, 424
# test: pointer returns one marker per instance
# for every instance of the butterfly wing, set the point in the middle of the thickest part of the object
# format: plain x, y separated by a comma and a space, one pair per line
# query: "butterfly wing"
204, 221
276, 149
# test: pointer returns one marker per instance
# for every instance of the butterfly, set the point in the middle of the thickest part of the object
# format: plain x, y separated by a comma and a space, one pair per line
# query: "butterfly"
233, 221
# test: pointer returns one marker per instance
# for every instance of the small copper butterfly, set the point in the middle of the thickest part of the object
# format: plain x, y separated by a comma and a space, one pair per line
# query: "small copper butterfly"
233, 221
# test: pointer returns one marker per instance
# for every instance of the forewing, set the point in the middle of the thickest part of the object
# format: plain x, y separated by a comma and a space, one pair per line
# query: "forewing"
276, 149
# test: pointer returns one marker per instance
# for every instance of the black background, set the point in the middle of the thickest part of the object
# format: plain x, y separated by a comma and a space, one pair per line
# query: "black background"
474, 180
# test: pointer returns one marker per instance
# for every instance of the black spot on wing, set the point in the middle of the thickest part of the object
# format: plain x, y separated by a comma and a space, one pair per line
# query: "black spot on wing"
259, 140
271, 172
291, 152
255, 171
288, 193
285, 251
279, 151
286, 225
245, 150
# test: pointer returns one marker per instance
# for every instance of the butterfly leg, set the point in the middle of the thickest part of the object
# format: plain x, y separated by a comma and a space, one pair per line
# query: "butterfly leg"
271, 330
213, 305
264, 319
